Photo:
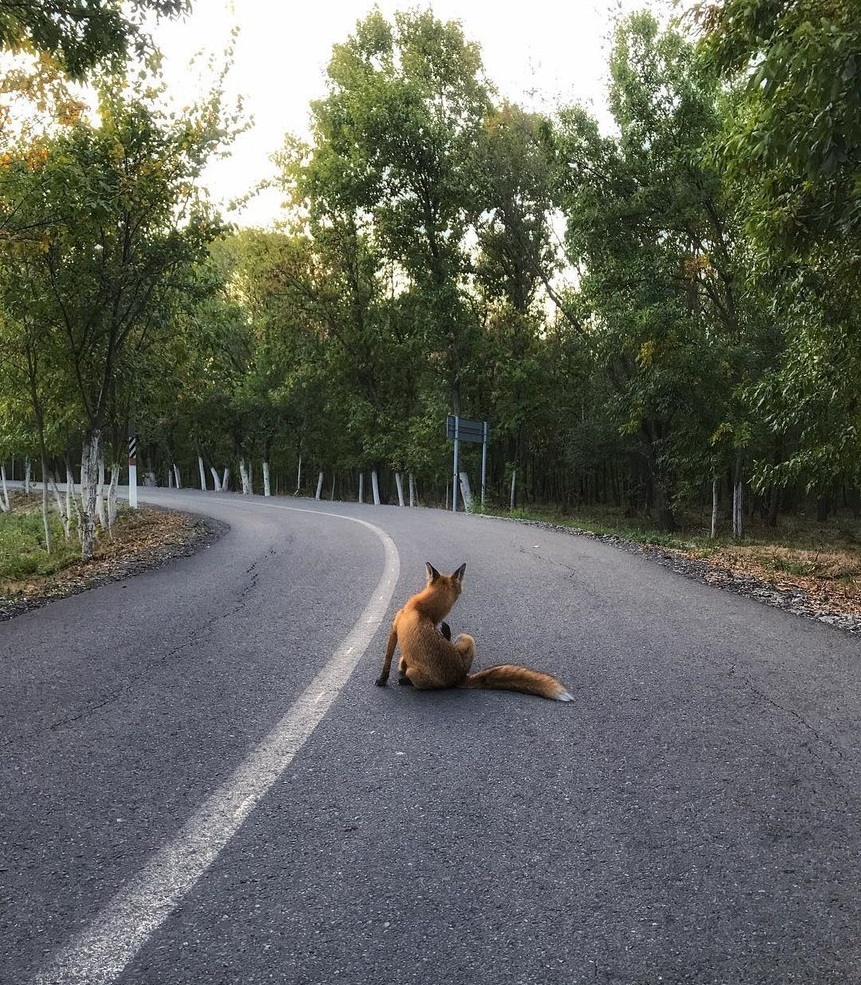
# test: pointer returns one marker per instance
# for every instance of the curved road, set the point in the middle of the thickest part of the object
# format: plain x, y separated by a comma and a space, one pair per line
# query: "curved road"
200, 783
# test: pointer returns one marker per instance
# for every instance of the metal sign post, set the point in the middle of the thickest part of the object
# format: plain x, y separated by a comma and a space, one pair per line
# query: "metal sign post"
455, 477
483, 462
460, 429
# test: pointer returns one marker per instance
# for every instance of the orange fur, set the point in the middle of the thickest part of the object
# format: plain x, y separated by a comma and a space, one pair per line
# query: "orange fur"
430, 660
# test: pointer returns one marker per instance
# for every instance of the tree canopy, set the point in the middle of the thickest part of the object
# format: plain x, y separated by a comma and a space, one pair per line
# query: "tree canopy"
651, 313
82, 35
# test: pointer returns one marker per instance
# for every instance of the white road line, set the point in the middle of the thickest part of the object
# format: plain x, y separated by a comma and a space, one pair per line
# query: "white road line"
99, 955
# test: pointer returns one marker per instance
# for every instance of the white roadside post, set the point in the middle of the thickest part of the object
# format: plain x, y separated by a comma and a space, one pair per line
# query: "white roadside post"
133, 471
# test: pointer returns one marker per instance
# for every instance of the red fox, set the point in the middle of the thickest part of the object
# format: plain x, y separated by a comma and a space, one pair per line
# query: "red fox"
429, 659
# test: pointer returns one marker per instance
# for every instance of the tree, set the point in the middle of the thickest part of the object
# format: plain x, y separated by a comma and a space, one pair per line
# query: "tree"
649, 231
795, 140
120, 231
792, 153
516, 259
79, 35
406, 105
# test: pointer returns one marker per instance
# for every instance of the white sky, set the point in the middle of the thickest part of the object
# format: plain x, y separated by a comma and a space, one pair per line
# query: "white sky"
539, 54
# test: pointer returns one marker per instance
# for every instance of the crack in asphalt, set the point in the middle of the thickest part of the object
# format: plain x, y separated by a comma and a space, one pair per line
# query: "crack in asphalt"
132, 679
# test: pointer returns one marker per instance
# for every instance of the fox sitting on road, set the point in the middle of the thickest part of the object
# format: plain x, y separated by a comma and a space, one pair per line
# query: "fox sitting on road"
429, 659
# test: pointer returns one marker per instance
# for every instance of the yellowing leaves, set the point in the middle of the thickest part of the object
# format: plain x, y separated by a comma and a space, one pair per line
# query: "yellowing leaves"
646, 355
70, 112
34, 158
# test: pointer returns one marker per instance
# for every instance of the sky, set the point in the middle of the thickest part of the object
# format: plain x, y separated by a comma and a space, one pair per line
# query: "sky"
539, 54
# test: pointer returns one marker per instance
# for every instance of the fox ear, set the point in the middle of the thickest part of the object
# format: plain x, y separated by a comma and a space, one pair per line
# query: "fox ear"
433, 574
458, 575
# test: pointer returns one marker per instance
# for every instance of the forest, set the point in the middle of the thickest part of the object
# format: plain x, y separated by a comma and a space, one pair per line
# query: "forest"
662, 315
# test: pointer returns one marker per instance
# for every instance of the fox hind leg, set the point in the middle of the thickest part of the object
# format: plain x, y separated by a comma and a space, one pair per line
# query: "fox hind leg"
387, 662
465, 646
418, 678
403, 677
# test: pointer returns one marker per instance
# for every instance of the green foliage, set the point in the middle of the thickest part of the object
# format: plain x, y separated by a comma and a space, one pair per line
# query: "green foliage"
791, 150
798, 127
405, 107
700, 322
81, 36
647, 226
118, 235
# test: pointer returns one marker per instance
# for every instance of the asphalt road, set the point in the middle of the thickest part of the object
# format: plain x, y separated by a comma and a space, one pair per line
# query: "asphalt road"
200, 784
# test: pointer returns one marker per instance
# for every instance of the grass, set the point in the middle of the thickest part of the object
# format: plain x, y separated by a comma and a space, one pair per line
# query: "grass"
140, 539
22, 543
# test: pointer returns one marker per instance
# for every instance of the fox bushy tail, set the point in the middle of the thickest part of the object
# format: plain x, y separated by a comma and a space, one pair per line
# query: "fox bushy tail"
511, 677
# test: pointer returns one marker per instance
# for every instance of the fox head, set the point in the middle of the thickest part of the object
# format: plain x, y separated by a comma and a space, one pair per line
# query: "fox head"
450, 584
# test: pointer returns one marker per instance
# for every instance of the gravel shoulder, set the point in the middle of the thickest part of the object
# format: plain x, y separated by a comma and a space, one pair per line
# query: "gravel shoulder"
806, 597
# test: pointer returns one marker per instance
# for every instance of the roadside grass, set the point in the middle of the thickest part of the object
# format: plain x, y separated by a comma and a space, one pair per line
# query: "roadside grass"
22, 544
28, 571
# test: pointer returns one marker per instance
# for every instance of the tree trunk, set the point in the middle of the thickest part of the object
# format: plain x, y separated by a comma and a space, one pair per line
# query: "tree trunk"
27, 470
100, 495
738, 508
90, 478
512, 498
413, 493
773, 507
375, 486
361, 487
319, 484
666, 518
245, 477
298, 477
71, 498
112, 495
46, 519
4, 492
65, 517
714, 507
177, 476
267, 485
202, 472
215, 479
399, 483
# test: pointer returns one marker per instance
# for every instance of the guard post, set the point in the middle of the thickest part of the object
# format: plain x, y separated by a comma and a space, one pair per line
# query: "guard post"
133, 471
